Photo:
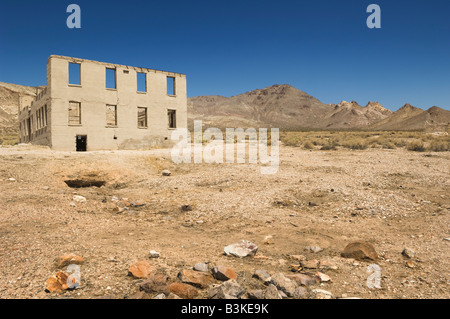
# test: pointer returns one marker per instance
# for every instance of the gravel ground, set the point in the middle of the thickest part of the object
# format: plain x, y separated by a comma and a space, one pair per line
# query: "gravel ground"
391, 198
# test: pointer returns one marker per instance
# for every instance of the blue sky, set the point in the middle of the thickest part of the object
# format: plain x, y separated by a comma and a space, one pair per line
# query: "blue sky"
229, 47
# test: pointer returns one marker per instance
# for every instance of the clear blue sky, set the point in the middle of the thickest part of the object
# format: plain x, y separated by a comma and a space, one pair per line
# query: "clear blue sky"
229, 47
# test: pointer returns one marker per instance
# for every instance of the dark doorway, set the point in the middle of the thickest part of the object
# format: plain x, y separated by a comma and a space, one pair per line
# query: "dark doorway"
81, 143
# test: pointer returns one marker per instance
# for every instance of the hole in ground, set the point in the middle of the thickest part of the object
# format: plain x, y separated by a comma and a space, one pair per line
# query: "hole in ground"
81, 183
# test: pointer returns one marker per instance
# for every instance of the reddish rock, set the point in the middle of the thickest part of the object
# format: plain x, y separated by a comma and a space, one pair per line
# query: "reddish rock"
224, 273
184, 291
66, 260
360, 250
195, 278
57, 283
141, 269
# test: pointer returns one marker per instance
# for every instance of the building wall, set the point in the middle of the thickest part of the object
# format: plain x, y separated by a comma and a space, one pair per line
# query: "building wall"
94, 96
39, 132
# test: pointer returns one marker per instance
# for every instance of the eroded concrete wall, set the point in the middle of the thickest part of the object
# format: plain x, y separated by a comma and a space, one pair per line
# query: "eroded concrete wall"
94, 98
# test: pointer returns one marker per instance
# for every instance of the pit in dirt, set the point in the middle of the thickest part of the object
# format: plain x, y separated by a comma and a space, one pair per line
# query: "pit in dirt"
80, 183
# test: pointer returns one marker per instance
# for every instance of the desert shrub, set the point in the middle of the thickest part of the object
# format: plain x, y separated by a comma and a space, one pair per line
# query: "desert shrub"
388, 145
329, 145
439, 146
400, 142
356, 144
416, 146
308, 145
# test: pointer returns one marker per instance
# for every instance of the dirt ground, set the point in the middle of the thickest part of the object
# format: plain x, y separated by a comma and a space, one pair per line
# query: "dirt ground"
391, 198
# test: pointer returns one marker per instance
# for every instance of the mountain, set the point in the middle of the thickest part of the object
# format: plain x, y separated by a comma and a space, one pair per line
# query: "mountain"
282, 106
412, 118
348, 115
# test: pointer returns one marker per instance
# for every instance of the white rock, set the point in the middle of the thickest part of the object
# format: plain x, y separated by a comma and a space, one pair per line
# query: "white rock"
241, 249
79, 199
154, 254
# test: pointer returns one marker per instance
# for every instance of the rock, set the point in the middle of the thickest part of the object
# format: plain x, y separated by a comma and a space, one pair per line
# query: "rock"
228, 290
155, 284
272, 293
328, 265
241, 249
323, 277
255, 294
408, 253
166, 173
310, 264
303, 280
79, 199
298, 258
360, 251
300, 293
261, 275
160, 296
12, 179
196, 278
173, 296
183, 291
154, 254
141, 270
57, 283
410, 264
66, 260
313, 249
186, 208
322, 294
202, 267
138, 204
140, 295
268, 240
224, 273
284, 284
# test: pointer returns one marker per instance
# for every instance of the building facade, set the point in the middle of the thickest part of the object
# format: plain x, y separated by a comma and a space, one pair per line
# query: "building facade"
89, 105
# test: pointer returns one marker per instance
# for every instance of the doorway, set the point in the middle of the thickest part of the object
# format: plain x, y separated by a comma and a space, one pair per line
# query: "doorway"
81, 143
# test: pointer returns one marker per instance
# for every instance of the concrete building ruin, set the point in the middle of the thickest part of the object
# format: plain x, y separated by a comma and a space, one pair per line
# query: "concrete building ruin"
89, 105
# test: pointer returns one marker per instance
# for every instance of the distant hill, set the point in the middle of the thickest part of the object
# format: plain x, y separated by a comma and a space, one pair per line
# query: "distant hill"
412, 118
9, 103
285, 107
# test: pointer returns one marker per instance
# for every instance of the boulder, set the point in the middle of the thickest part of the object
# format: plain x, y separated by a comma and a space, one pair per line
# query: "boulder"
224, 273
141, 270
360, 251
241, 249
66, 260
195, 278
228, 290
272, 293
283, 283
183, 291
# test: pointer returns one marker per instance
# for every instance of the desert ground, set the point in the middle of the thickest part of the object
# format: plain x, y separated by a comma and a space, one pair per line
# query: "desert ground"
392, 198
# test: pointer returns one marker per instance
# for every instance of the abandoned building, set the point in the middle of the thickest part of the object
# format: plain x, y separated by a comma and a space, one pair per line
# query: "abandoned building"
89, 105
